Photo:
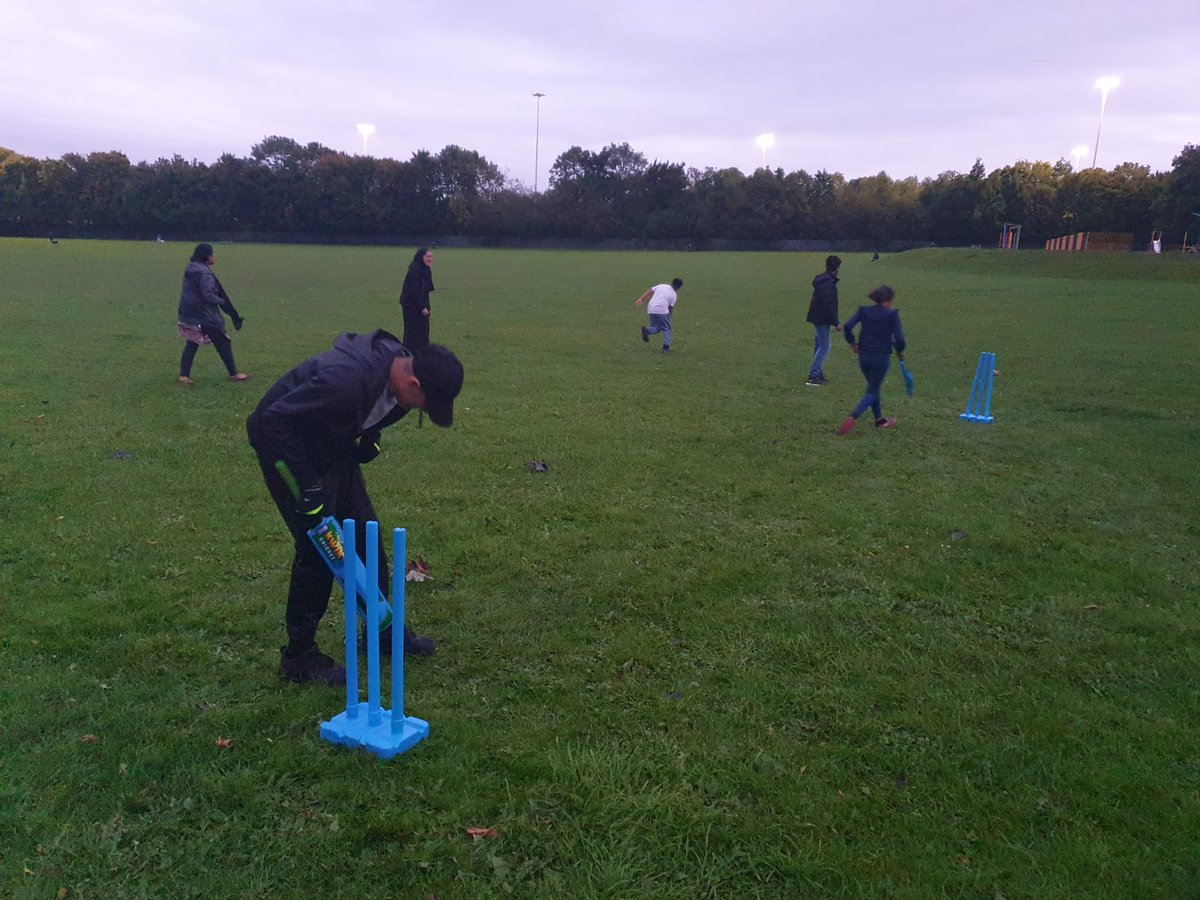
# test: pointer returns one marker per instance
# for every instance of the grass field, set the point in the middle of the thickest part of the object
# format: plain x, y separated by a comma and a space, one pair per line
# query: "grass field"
714, 651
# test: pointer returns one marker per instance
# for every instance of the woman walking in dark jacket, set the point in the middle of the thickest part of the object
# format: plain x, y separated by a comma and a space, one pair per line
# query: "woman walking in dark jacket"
880, 331
201, 302
414, 299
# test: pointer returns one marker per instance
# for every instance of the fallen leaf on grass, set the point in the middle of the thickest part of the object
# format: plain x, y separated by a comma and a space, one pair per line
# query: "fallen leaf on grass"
963, 859
539, 465
477, 833
223, 743
417, 570
89, 739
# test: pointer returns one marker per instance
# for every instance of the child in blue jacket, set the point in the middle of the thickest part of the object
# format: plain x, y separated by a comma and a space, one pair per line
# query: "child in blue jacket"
880, 332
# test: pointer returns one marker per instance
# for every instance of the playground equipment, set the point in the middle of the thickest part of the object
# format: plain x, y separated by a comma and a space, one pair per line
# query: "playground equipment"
1010, 237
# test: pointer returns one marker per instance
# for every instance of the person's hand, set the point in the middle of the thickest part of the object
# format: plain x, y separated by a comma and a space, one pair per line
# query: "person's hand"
837, 328
854, 349
900, 356
237, 323
425, 311
311, 506
637, 302
367, 447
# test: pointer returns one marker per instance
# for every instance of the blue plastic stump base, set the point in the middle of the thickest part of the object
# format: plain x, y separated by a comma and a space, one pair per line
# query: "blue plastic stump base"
378, 739
973, 418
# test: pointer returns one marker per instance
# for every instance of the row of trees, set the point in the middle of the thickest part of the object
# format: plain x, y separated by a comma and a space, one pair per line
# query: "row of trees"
286, 187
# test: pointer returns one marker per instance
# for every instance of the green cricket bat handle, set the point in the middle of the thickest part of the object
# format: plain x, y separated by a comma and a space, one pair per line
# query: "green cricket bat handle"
288, 478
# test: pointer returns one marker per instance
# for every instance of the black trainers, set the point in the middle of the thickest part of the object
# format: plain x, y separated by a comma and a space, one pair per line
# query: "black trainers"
310, 665
414, 644
814, 381
645, 336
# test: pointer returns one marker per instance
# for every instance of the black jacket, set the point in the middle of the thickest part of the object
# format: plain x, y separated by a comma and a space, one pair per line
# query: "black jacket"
418, 285
823, 308
313, 416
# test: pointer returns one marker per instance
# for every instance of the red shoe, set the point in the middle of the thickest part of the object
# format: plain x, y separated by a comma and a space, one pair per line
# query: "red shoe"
885, 422
240, 376
847, 426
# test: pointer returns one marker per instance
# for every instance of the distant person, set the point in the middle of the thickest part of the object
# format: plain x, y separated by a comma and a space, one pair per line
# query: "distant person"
875, 256
323, 421
201, 303
414, 299
661, 310
823, 314
881, 332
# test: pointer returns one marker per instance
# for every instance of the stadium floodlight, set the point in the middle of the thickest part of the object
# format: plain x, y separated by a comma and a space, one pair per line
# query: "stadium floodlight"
1079, 154
366, 129
764, 142
1103, 85
537, 135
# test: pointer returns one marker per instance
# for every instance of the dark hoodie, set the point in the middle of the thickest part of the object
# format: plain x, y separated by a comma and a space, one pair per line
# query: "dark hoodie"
880, 329
313, 415
823, 308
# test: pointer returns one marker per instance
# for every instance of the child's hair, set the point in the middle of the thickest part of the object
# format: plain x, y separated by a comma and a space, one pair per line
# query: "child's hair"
833, 263
882, 294
677, 283
202, 253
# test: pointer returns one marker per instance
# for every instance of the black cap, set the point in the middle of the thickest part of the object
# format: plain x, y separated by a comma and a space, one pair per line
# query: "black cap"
441, 377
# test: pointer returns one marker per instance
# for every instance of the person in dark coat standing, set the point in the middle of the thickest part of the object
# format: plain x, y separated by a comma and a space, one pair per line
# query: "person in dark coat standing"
823, 314
322, 421
201, 302
414, 299
880, 332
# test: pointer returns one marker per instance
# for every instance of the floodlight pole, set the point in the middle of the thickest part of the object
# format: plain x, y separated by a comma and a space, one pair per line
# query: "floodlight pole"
1105, 85
537, 137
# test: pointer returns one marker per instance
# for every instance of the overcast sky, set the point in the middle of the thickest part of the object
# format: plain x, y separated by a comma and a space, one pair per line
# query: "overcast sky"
910, 87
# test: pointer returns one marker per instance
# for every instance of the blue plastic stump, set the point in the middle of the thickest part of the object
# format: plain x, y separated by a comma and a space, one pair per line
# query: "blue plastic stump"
979, 401
366, 726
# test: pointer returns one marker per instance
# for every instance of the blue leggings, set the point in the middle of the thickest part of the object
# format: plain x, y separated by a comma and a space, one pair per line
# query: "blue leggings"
874, 366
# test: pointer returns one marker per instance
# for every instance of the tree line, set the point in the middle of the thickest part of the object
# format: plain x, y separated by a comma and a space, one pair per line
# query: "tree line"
284, 187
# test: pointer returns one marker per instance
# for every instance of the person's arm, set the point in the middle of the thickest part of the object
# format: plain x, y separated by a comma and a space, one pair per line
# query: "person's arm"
641, 299
898, 336
315, 405
210, 290
408, 295
848, 329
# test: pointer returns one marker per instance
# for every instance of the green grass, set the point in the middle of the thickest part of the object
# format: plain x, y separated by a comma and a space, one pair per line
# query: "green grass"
714, 651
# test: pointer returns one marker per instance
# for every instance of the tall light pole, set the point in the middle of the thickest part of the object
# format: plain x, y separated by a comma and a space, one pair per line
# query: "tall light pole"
366, 129
765, 142
1104, 85
537, 137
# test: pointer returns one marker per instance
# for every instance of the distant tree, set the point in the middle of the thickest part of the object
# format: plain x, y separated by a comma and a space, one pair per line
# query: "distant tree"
952, 206
1179, 195
19, 177
1025, 193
